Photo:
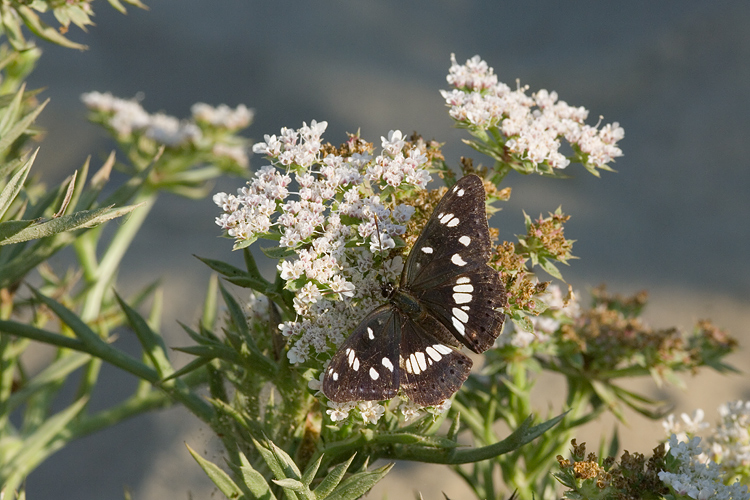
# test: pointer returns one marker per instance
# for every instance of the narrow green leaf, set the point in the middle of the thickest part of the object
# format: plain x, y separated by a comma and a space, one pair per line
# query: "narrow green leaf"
333, 479
277, 253
43, 30
291, 484
15, 184
68, 196
12, 110
254, 480
13, 31
82, 331
238, 318
240, 245
72, 222
312, 469
220, 478
356, 485
551, 269
20, 127
236, 275
211, 304
281, 464
35, 448
188, 368
11, 227
54, 373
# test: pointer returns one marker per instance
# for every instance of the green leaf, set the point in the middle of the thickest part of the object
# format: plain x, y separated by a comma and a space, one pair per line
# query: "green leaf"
15, 184
43, 30
11, 227
72, 222
188, 368
39, 445
551, 269
20, 127
291, 484
220, 478
54, 373
333, 479
254, 480
151, 342
236, 275
312, 469
240, 245
211, 304
277, 253
356, 485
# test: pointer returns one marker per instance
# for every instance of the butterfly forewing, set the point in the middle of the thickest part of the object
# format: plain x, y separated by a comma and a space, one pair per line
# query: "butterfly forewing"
447, 268
455, 236
365, 368
430, 370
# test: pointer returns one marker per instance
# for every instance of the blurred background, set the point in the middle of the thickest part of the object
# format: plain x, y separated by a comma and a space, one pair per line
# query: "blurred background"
673, 220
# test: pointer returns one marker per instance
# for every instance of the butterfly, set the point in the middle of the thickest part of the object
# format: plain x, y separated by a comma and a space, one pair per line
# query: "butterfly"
447, 296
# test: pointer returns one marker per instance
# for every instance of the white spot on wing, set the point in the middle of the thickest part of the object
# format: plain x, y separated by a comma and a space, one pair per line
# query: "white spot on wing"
335, 377
426, 249
457, 260
414, 364
355, 366
461, 315
374, 374
464, 240
459, 326
432, 352
462, 298
442, 349
370, 333
408, 365
421, 360
462, 280
453, 222
445, 218
387, 363
461, 192
463, 288
352, 356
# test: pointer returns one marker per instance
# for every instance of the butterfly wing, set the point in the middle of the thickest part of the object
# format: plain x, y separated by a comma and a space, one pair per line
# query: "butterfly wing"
456, 232
366, 366
430, 370
447, 270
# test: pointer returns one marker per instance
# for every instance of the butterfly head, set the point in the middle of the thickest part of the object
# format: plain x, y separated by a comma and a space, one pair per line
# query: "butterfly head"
387, 289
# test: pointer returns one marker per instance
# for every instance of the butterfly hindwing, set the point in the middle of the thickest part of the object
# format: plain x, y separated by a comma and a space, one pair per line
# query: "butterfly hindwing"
365, 368
430, 370
470, 305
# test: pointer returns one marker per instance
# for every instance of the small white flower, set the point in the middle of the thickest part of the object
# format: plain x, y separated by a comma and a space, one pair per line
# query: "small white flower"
371, 411
339, 411
410, 410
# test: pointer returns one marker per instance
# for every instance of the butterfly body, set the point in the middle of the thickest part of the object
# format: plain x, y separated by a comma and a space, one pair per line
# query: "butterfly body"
447, 296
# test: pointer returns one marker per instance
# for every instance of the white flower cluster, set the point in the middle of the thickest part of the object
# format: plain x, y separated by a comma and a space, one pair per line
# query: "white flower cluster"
128, 117
532, 125
547, 323
727, 445
222, 116
697, 478
330, 225
731, 440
